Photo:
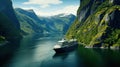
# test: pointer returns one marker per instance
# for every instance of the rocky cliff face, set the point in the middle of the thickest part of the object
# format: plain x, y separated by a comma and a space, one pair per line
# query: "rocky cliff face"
9, 25
7, 9
97, 23
9, 31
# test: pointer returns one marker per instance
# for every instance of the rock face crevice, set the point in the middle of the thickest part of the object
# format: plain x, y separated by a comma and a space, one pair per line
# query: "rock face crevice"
116, 2
97, 23
114, 21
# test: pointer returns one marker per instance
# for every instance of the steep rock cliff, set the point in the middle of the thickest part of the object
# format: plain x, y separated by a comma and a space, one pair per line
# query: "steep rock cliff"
97, 23
7, 9
9, 25
10, 35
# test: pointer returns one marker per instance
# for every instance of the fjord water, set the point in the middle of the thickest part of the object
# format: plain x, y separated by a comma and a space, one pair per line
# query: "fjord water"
37, 51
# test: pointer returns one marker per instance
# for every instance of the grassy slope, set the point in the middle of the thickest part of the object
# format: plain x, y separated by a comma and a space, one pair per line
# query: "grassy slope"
94, 28
23, 24
28, 24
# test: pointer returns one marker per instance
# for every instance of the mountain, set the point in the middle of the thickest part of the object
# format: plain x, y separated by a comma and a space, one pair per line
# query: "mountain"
9, 25
97, 24
57, 23
31, 23
10, 32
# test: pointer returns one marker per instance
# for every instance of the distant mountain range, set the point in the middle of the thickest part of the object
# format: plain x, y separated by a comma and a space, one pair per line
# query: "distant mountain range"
16, 23
31, 23
57, 23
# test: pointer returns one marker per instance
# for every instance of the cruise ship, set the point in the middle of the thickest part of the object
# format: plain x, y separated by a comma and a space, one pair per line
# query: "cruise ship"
65, 45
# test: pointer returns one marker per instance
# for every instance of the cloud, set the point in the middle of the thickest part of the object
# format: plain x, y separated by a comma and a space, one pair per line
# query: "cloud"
67, 10
44, 3
71, 9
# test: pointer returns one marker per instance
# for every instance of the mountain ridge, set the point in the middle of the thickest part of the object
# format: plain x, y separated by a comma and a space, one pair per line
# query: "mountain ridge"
49, 24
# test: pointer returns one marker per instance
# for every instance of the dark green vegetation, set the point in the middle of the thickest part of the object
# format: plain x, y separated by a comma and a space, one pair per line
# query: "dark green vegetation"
31, 23
97, 23
9, 31
9, 25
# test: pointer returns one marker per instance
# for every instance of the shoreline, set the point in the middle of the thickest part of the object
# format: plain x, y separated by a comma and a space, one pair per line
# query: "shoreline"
113, 48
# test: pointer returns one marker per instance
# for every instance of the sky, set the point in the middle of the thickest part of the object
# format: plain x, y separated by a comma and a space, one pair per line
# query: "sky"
48, 7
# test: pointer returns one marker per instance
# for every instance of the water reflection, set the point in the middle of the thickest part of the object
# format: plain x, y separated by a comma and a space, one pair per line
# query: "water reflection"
62, 56
37, 51
7, 51
99, 57
62, 60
